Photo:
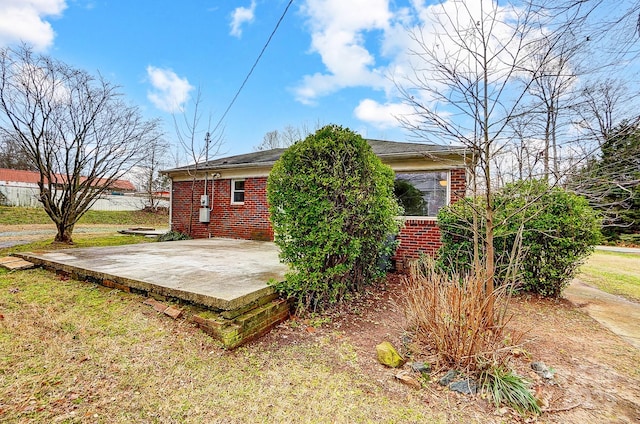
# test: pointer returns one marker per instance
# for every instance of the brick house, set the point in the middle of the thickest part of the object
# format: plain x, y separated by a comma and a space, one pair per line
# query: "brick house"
233, 202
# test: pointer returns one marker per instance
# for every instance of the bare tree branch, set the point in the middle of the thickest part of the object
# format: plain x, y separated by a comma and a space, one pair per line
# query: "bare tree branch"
76, 129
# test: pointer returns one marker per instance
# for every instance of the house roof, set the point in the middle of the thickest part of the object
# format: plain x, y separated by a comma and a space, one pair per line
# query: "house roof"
383, 149
21, 176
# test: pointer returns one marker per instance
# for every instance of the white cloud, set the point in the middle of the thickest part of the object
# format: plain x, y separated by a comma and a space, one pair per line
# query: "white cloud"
240, 16
381, 116
170, 92
338, 35
373, 43
24, 21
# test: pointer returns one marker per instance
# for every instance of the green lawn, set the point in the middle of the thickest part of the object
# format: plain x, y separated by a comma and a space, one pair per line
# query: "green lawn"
101, 236
72, 351
615, 273
17, 215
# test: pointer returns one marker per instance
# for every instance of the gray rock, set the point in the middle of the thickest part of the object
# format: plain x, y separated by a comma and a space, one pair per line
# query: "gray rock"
420, 367
466, 387
538, 366
542, 370
448, 378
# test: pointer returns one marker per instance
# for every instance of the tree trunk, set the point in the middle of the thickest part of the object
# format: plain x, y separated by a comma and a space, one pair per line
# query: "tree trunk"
547, 136
64, 233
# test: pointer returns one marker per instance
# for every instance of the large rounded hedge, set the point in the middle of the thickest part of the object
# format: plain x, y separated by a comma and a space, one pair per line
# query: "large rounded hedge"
542, 234
333, 213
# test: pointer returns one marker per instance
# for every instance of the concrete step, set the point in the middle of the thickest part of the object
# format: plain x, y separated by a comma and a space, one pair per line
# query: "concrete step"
13, 263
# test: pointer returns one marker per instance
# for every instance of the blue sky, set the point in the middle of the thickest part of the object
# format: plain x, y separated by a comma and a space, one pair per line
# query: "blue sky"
160, 53
330, 61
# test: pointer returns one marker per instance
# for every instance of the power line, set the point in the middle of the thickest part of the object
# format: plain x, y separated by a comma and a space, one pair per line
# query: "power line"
253, 67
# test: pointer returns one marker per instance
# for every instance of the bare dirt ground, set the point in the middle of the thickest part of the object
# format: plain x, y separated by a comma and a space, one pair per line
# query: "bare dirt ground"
596, 373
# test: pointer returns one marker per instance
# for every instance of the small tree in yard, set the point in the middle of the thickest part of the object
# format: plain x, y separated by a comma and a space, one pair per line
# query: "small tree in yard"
149, 179
333, 213
74, 129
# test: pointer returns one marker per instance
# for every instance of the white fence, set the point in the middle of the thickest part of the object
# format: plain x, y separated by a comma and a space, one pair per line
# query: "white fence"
28, 197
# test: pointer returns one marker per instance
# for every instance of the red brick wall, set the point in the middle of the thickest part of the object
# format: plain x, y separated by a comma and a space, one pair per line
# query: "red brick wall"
247, 221
251, 220
418, 235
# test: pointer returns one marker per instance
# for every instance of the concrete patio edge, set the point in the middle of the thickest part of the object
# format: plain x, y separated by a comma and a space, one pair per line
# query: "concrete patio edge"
129, 284
220, 274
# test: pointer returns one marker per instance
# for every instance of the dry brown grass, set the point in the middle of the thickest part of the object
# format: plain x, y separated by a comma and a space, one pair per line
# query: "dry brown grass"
75, 352
455, 317
72, 352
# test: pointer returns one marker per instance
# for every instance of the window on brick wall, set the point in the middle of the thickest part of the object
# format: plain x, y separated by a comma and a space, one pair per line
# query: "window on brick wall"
237, 192
422, 193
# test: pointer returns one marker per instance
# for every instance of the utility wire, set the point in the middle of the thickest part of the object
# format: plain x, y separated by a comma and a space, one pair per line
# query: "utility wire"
252, 67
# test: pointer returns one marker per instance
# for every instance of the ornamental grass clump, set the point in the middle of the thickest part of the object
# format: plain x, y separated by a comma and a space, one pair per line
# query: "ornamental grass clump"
507, 388
452, 315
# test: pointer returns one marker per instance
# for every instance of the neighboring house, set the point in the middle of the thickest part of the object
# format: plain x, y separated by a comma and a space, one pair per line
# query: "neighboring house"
234, 203
20, 188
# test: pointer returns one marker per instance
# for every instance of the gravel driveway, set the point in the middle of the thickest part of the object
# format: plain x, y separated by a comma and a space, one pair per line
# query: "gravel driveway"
13, 235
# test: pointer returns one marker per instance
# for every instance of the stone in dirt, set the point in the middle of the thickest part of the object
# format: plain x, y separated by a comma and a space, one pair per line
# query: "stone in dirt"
158, 306
466, 387
407, 380
421, 367
13, 263
388, 355
173, 312
542, 370
448, 378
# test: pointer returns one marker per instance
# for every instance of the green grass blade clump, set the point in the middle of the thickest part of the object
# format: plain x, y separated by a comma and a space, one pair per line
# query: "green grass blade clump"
508, 388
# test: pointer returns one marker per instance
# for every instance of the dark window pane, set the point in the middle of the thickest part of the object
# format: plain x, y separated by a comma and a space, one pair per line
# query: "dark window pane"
421, 193
237, 191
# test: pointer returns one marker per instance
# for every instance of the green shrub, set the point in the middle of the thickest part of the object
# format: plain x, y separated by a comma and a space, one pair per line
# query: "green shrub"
332, 208
545, 232
173, 236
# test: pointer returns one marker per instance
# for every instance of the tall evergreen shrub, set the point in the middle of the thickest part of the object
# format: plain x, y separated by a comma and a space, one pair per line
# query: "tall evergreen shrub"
333, 211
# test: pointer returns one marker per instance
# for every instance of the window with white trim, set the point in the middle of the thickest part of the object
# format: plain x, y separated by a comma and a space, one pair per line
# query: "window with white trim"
237, 192
422, 193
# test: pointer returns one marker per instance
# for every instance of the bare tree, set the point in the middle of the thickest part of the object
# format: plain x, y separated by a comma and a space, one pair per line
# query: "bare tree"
150, 180
474, 67
13, 156
552, 79
603, 104
199, 143
76, 129
271, 140
284, 138
523, 156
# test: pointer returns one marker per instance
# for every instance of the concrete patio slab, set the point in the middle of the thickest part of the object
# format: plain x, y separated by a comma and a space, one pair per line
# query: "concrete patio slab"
222, 274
